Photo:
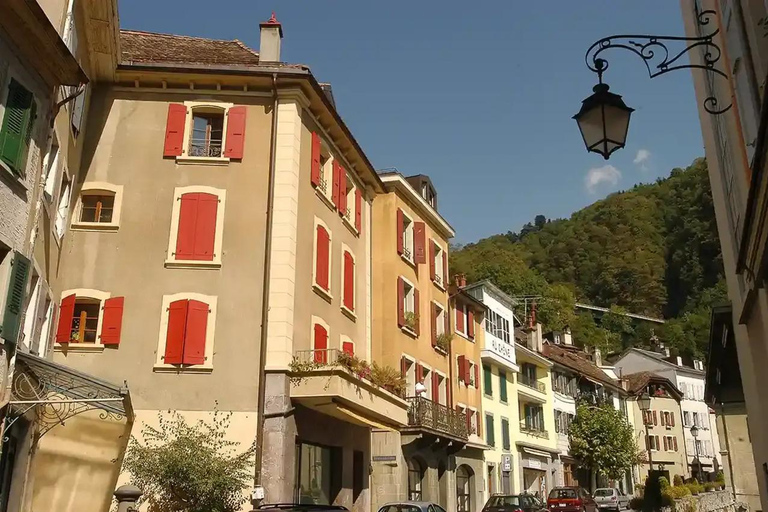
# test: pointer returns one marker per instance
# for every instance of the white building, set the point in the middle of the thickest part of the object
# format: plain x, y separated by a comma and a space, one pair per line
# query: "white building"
690, 381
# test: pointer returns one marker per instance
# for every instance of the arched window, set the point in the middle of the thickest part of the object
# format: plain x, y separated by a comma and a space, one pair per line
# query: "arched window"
415, 476
464, 476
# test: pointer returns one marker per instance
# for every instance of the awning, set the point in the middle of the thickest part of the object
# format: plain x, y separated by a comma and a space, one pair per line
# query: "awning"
39, 43
57, 393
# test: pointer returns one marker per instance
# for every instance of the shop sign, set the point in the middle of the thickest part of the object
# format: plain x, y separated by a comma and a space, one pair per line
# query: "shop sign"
532, 463
506, 463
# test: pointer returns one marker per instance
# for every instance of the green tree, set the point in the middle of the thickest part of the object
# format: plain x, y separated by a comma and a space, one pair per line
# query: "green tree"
556, 308
190, 468
603, 441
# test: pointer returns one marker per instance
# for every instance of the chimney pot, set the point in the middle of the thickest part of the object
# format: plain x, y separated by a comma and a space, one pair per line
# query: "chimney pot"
271, 32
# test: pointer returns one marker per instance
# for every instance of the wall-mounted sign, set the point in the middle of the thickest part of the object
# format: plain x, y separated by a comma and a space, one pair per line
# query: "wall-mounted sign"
384, 458
531, 463
506, 463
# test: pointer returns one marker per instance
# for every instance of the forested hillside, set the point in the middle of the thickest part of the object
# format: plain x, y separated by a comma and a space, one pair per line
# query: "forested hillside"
651, 250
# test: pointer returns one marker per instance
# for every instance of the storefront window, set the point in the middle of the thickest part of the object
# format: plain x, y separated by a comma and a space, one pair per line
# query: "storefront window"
463, 477
314, 474
415, 474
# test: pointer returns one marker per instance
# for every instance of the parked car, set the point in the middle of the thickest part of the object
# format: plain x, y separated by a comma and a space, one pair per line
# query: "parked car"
302, 507
570, 499
412, 506
611, 499
514, 503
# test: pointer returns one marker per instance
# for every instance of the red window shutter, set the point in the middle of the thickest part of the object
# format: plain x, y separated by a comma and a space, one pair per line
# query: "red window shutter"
431, 260
647, 442
655, 418
477, 422
322, 257
477, 375
447, 320
470, 323
445, 269
316, 156
433, 322
672, 417
675, 442
348, 348
435, 388
205, 232
403, 366
400, 302
468, 417
663, 418
342, 204
419, 242
66, 313
462, 372
321, 344
195, 332
185, 238
349, 281
174, 338
235, 132
416, 311
174, 129
112, 322
358, 210
419, 372
459, 318
467, 375
336, 183
400, 240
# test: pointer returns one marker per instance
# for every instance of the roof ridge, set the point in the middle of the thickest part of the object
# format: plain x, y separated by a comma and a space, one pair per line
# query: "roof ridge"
181, 36
245, 47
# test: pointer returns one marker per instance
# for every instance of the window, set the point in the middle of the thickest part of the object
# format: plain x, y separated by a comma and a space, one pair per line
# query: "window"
349, 212
322, 269
51, 168
415, 476
197, 226
461, 318
319, 341
89, 318
502, 386
670, 443
505, 442
474, 371
528, 376
696, 419
405, 236
654, 443
14, 273
321, 166
563, 422
489, 431
464, 477
316, 468
408, 371
199, 131
187, 328
62, 212
473, 418
348, 281
99, 207
533, 418
487, 380
16, 128
439, 328
438, 266
347, 346
497, 325
408, 306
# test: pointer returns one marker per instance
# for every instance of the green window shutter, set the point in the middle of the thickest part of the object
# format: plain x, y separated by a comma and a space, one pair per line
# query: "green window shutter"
487, 381
503, 386
16, 129
17, 288
505, 434
489, 432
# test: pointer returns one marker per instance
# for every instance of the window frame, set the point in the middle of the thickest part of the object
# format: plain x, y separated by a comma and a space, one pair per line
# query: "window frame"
35, 105
326, 173
84, 293
409, 297
409, 239
210, 331
472, 374
348, 217
461, 309
185, 158
316, 320
440, 253
351, 313
218, 241
315, 285
98, 188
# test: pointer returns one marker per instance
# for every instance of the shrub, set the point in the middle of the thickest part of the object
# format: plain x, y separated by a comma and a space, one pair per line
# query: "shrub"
444, 341
667, 501
678, 491
695, 488
663, 483
711, 486
636, 503
677, 480
720, 477
388, 378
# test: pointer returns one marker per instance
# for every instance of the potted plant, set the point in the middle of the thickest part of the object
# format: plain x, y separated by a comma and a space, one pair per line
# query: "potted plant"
444, 341
411, 319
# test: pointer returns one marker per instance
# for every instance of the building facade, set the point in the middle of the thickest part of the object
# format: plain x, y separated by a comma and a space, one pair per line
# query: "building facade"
736, 146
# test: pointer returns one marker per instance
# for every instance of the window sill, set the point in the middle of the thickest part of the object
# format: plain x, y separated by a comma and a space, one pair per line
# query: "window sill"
170, 368
325, 199
202, 160
350, 226
438, 285
94, 226
349, 313
441, 351
408, 260
194, 264
322, 292
78, 347
410, 332
465, 336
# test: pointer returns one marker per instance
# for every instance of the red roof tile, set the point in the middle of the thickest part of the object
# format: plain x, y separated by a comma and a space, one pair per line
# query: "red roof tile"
149, 47
577, 361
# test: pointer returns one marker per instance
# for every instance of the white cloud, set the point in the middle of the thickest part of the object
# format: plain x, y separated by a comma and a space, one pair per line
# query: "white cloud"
598, 175
642, 158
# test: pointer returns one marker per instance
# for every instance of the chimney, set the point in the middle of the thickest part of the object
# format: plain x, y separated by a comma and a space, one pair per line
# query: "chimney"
460, 280
271, 35
567, 338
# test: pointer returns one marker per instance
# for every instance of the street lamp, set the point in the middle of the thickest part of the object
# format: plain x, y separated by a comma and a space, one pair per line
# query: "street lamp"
604, 117
644, 402
695, 434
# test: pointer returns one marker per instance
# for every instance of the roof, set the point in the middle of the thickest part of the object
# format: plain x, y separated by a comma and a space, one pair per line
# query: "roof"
138, 46
638, 381
394, 179
575, 360
661, 358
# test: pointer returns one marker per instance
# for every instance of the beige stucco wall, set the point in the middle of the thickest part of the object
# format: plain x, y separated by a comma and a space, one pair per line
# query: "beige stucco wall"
469, 348
674, 462
738, 460
508, 410
124, 146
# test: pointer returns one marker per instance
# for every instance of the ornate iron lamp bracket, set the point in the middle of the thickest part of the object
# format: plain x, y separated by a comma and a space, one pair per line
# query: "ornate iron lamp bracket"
659, 59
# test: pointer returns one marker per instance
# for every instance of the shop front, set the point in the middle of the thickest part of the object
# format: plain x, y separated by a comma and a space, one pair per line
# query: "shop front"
536, 471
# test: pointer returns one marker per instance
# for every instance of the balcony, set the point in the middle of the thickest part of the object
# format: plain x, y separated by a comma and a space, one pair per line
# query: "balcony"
424, 414
527, 380
337, 384
533, 430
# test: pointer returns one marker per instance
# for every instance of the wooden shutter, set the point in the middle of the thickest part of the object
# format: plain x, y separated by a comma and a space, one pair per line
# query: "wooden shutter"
336, 183
15, 127
205, 231
174, 338
400, 302
235, 132
342, 204
674, 440
112, 322
459, 317
321, 344
477, 376
416, 311
655, 418
403, 366
419, 242
66, 313
467, 376
462, 372
447, 321
432, 260
470, 323
666, 443
348, 348
349, 281
433, 317
174, 129
358, 210
663, 418
400, 241
185, 237
445, 268
419, 372
468, 417
672, 418
195, 332
435, 387
322, 257
14, 303
316, 159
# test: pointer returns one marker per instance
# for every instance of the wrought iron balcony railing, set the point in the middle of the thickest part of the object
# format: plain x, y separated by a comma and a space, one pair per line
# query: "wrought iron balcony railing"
407, 253
438, 279
527, 380
323, 185
533, 430
423, 412
205, 147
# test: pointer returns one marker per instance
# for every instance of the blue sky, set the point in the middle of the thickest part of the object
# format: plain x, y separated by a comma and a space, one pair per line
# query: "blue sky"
478, 95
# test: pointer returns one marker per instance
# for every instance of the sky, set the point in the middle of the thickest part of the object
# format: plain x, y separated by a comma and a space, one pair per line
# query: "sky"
479, 96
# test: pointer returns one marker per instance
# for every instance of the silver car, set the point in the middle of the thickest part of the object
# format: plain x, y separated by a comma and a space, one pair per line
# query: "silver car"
608, 498
412, 506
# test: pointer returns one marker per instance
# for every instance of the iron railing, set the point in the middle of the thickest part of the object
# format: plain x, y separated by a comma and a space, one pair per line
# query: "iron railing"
438, 279
423, 412
205, 147
348, 214
527, 380
323, 185
326, 356
533, 430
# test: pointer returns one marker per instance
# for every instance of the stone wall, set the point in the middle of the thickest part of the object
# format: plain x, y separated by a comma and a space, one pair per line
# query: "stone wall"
714, 501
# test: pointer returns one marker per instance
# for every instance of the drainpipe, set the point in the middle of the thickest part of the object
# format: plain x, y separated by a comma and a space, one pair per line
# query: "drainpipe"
258, 490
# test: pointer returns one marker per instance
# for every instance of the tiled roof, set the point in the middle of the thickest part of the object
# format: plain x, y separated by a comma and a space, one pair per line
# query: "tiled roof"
638, 381
143, 47
578, 361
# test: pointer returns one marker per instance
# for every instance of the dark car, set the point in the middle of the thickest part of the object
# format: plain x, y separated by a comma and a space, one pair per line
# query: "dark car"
570, 499
412, 506
301, 507
514, 503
